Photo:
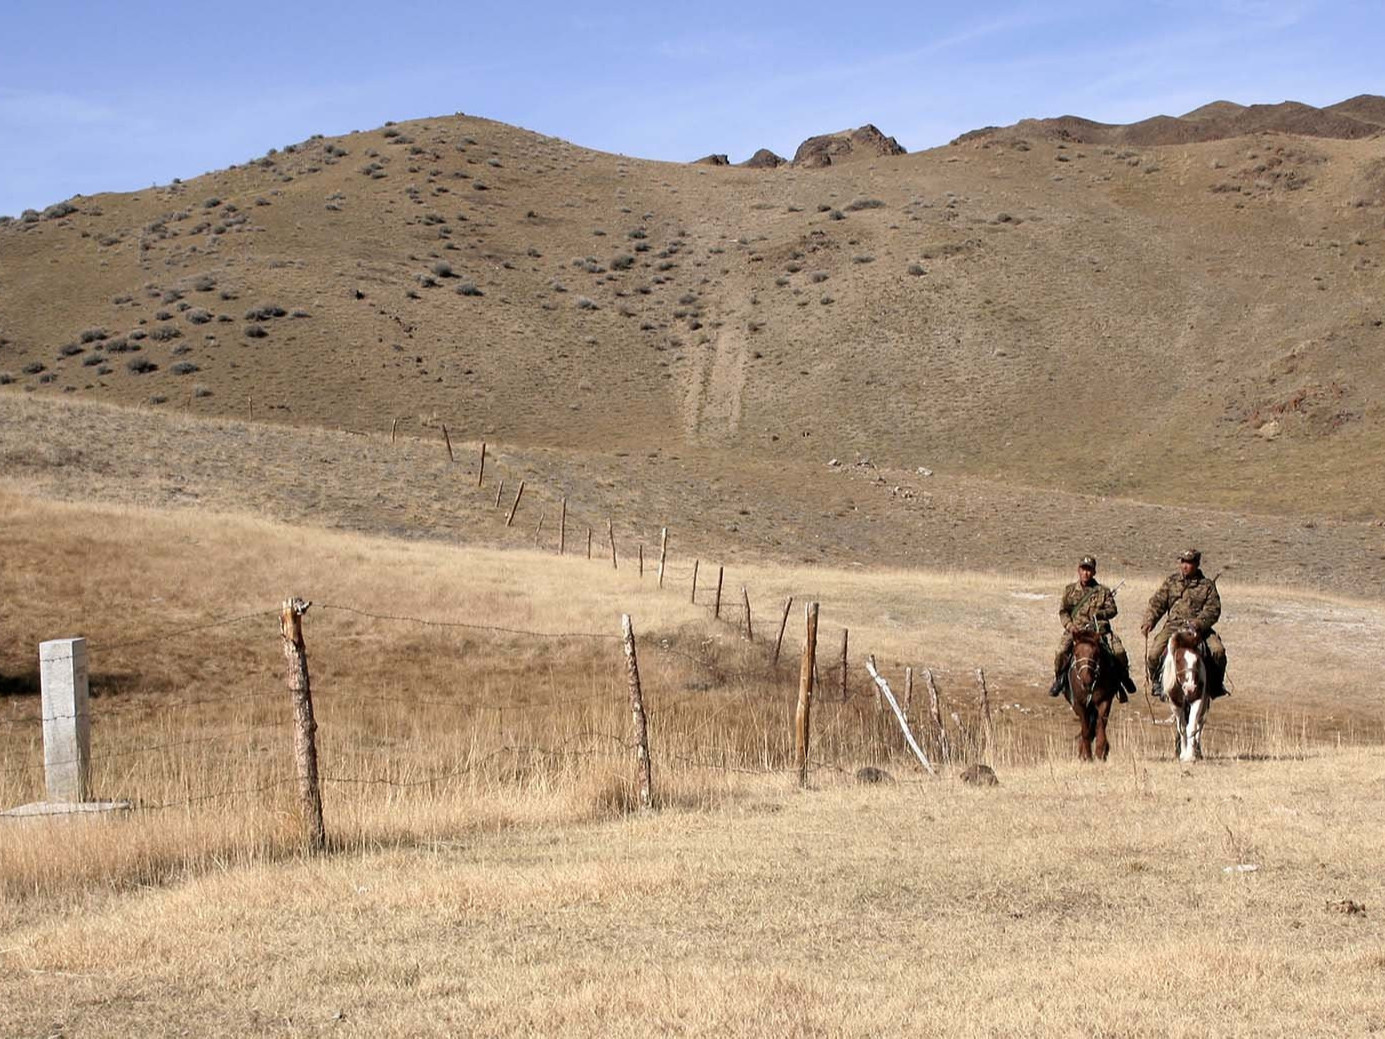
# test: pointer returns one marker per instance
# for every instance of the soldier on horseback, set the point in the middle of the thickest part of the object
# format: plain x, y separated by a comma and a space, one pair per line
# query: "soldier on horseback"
1190, 600
1087, 604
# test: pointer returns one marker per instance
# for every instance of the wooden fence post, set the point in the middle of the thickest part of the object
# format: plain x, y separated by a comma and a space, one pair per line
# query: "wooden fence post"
935, 707
803, 716
611, 537
783, 623
518, 495
394, 428
745, 598
640, 549
448, 441
481, 469
988, 729
304, 727
589, 542
884, 687
908, 690
499, 490
716, 608
562, 528
693, 597
663, 553
543, 513
846, 636
639, 722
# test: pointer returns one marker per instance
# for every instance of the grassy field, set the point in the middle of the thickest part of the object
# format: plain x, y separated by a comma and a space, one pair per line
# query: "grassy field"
488, 876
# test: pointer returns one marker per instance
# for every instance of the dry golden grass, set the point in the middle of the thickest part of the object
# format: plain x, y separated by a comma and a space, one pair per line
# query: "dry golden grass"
487, 877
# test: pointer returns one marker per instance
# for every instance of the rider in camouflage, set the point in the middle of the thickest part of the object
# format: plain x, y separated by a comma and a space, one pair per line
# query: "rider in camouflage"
1087, 604
1190, 600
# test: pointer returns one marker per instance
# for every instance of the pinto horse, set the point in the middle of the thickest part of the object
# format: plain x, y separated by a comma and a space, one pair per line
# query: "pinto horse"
1185, 686
1092, 683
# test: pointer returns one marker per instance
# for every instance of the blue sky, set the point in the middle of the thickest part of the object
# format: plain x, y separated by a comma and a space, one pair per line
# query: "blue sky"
118, 95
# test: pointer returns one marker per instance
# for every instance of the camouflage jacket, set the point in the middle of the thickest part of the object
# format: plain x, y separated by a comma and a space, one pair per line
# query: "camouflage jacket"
1187, 600
1084, 607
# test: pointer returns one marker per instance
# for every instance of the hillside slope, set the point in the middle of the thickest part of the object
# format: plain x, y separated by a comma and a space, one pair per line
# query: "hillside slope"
1187, 323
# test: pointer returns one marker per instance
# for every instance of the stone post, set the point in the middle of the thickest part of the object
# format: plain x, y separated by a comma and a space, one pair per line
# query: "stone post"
66, 719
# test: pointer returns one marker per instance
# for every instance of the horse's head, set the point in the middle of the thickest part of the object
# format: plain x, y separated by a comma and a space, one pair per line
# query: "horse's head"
1086, 642
1187, 672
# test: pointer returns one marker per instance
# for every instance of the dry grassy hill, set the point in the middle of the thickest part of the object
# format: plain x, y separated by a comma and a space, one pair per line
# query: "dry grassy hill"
1185, 323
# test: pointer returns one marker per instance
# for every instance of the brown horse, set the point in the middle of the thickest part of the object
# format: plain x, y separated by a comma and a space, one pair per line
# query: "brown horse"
1185, 686
1092, 683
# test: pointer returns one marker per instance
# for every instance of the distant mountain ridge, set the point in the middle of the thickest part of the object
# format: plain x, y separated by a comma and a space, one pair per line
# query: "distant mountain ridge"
1353, 119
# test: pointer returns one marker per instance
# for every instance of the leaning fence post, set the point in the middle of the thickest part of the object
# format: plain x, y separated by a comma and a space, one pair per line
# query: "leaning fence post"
846, 637
513, 508
481, 469
394, 428
803, 716
66, 719
499, 490
663, 553
936, 709
716, 607
448, 441
884, 687
539, 529
749, 632
611, 537
639, 721
304, 727
562, 528
783, 623
693, 597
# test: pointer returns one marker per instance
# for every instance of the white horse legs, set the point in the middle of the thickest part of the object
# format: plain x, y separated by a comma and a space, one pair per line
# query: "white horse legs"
1188, 722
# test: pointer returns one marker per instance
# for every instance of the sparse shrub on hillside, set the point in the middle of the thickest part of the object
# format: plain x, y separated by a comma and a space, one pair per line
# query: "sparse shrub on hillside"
781, 281
442, 269
390, 132
91, 360
120, 346
426, 281
583, 303
211, 203
468, 288
199, 316
71, 350
140, 366
171, 296
863, 258
59, 210
557, 286
226, 295
864, 203
818, 277
264, 312
122, 300
255, 332
916, 269
92, 335
836, 214
162, 315
336, 151
184, 368
827, 301
180, 349
203, 283
29, 216
163, 333
34, 367
158, 399
623, 262
201, 391
300, 314
6, 379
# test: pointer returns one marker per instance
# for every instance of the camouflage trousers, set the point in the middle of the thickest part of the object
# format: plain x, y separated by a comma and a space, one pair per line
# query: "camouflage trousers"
1112, 640
1160, 641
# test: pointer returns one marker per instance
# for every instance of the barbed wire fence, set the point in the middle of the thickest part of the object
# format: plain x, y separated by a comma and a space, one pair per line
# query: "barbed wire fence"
741, 718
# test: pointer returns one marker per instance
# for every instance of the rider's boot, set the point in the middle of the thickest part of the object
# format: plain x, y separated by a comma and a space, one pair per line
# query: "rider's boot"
1056, 689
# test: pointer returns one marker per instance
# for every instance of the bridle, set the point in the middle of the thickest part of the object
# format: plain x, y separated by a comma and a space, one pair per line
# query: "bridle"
1090, 668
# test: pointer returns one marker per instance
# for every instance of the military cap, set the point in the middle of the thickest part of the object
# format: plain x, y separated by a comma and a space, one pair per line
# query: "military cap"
1088, 563
1191, 556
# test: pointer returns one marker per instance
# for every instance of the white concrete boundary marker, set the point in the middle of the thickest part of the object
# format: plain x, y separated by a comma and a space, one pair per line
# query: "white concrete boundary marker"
66, 719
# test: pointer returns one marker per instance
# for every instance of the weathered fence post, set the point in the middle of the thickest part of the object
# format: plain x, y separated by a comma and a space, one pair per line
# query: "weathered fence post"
693, 597
611, 537
394, 428
304, 727
988, 726
499, 490
846, 693
716, 607
562, 528
589, 542
481, 468
639, 721
749, 632
640, 550
543, 513
783, 623
66, 719
663, 553
448, 441
803, 716
518, 495
936, 709
908, 690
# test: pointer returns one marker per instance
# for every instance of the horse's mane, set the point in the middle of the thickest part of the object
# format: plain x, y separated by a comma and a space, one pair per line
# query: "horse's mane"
1185, 638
